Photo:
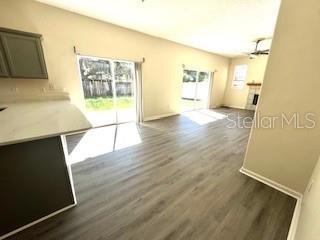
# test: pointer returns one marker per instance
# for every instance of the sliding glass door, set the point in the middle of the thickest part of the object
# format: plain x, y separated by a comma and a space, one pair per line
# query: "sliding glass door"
125, 97
195, 90
202, 92
189, 89
109, 90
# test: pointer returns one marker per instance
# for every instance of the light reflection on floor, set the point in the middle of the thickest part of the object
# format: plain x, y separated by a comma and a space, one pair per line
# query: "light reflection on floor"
204, 116
99, 141
106, 117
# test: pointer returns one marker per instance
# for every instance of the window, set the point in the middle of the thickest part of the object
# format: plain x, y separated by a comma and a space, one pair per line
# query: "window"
109, 90
195, 90
240, 73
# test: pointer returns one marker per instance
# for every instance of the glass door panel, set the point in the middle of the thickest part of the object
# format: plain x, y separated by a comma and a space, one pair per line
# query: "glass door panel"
96, 78
189, 86
202, 92
124, 76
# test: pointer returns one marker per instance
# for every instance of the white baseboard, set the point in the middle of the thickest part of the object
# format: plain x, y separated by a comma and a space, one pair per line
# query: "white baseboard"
37, 221
298, 196
236, 107
295, 220
215, 106
159, 116
271, 183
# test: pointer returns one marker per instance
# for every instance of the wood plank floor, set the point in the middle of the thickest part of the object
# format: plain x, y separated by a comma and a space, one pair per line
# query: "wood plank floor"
181, 181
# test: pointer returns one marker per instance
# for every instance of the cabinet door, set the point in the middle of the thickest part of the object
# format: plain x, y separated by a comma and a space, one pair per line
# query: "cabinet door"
34, 182
3, 66
24, 56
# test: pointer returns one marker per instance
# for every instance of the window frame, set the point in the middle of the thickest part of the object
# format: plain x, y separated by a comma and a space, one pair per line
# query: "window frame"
243, 81
210, 82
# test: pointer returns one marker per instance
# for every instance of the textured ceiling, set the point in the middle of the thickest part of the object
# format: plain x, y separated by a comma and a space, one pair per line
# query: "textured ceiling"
226, 27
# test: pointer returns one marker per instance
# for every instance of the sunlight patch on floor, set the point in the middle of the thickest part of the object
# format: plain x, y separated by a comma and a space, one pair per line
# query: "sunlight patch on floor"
104, 117
204, 116
212, 113
104, 140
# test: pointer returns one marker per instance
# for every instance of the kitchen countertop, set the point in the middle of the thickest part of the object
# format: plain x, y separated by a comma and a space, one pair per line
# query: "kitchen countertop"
31, 120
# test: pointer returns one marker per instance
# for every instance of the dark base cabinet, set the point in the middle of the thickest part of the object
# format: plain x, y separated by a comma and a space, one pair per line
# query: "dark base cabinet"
34, 182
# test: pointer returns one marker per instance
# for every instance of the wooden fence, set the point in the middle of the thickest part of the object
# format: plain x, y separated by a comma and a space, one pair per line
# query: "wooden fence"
99, 88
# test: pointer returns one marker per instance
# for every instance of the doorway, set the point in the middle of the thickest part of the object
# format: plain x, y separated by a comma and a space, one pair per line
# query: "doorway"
109, 88
196, 86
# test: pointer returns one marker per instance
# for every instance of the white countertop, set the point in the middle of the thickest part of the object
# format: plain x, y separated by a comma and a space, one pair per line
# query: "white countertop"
31, 120
24, 97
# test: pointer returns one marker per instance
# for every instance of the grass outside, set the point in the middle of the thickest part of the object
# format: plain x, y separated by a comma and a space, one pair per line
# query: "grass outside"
97, 104
187, 103
190, 104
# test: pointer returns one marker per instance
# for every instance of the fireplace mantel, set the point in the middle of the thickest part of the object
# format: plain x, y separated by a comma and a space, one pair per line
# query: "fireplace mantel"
254, 84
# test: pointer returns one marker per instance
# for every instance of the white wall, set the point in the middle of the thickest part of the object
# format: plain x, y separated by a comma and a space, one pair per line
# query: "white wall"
235, 97
291, 85
309, 221
61, 30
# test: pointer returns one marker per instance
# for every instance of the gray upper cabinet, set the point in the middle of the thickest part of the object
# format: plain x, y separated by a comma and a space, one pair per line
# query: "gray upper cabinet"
22, 55
3, 65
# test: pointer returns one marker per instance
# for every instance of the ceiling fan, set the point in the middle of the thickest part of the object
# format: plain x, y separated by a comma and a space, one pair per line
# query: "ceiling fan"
257, 52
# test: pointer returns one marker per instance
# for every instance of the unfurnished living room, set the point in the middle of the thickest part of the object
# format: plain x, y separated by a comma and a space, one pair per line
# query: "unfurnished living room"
159, 119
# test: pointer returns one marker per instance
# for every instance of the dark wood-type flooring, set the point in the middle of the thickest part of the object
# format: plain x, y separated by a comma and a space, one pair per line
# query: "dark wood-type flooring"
181, 182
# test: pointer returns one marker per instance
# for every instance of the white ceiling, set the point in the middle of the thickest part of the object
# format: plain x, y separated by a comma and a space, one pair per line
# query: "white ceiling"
227, 27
